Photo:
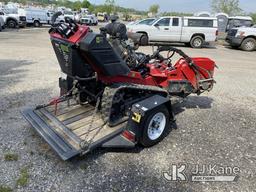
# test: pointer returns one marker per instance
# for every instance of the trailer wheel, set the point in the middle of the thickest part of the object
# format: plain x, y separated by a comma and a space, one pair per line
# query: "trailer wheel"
249, 44
12, 23
197, 42
155, 126
36, 24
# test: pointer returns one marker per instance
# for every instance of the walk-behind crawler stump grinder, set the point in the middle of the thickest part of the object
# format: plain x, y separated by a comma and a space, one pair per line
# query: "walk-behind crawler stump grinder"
113, 96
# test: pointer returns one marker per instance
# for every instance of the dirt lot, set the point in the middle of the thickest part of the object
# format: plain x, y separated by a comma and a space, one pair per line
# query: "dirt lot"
215, 128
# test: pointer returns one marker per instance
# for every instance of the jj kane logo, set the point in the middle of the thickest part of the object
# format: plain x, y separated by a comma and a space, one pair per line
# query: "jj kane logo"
202, 173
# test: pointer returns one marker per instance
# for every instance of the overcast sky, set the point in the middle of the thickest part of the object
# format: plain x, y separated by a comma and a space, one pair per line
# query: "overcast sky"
178, 5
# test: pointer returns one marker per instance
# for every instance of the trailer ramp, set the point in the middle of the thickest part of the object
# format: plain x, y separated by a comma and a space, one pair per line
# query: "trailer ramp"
66, 126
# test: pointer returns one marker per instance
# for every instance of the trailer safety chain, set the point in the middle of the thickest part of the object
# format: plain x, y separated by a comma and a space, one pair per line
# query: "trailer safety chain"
107, 100
85, 144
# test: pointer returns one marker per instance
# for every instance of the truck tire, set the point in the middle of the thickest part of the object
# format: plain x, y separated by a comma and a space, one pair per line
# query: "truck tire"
144, 40
197, 42
249, 44
11, 23
155, 127
36, 24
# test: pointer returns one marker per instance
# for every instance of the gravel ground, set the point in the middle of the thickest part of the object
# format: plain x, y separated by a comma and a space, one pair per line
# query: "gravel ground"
215, 128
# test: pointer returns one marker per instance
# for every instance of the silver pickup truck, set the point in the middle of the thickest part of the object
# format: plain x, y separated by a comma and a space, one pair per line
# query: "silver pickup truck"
14, 19
242, 37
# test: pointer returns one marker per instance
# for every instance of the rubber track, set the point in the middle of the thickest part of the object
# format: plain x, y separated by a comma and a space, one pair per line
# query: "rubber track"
109, 94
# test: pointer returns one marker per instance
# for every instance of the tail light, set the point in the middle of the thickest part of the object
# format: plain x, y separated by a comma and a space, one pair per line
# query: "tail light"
129, 135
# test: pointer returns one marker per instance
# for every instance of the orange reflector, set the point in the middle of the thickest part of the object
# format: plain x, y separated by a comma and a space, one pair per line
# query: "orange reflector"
129, 135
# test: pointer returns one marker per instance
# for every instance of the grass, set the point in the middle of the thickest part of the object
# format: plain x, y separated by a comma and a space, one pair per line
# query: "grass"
84, 166
24, 177
11, 157
5, 189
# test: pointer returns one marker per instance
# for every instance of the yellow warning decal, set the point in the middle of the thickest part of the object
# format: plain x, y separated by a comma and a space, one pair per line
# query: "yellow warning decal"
136, 117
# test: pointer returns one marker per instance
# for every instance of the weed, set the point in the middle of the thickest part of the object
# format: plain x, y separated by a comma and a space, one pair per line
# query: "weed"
11, 157
24, 177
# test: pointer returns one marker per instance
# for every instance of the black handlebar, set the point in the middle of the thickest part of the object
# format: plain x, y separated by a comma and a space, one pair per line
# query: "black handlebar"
180, 52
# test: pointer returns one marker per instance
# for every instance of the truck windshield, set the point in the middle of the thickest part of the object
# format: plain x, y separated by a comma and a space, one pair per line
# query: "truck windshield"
146, 22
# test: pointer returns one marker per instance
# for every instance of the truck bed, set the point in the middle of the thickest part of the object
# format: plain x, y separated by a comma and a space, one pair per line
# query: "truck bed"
67, 126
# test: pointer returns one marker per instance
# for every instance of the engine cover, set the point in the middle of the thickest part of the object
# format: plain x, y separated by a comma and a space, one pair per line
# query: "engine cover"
101, 55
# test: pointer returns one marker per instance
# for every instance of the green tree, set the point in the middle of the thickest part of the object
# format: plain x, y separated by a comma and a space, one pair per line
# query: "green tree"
86, 4
91, 8
109, 6
154, 9
253, 15
231, 7
77, 5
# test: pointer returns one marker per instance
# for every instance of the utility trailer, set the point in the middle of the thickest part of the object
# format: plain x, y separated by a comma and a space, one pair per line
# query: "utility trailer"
72, 129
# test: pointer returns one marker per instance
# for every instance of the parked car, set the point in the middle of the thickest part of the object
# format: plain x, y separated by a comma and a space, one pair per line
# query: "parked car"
194, 31
2, 24
101, 17
14, 19
89, 20
239, 21
242, 37
37, 17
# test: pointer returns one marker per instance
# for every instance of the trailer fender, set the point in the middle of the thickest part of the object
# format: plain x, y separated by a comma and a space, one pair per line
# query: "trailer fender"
141, 109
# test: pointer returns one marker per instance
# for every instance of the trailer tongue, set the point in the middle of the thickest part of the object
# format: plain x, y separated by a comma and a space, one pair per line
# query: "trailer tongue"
113, 96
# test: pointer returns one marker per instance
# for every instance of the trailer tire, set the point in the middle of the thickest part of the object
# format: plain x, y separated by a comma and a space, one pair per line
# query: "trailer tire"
36, 24
197, 42
155, 126
11, 23
249, 44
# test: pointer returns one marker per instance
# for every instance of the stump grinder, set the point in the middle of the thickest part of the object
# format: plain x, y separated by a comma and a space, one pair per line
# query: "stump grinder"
113, 95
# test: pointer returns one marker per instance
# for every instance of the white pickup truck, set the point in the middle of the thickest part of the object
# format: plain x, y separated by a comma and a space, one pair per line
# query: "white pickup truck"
242, 37
193, 31
14, 19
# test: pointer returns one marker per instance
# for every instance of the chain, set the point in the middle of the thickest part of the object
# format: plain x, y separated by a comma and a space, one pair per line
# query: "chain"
85, 144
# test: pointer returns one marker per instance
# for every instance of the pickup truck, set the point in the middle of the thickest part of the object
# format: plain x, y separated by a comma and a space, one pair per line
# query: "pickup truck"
13, 20
242, 37
193, 31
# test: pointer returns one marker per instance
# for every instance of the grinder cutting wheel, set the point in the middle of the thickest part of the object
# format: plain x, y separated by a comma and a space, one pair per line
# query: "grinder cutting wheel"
113, 96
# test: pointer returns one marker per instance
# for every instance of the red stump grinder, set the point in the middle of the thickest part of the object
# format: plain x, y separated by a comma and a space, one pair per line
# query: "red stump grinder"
113, 96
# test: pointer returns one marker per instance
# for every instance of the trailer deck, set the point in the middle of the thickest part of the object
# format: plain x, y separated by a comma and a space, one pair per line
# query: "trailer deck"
66, 126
